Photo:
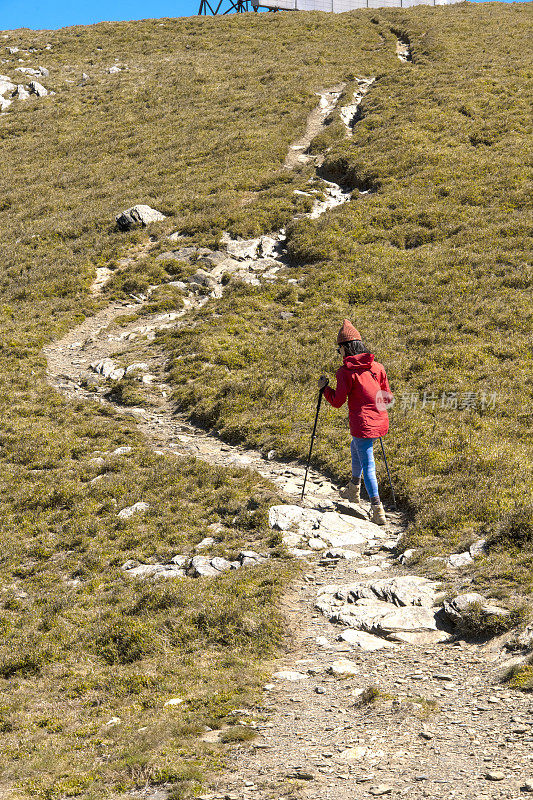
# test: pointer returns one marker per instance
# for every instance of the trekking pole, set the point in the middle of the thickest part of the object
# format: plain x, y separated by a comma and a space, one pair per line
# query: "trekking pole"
321, 392
388, 473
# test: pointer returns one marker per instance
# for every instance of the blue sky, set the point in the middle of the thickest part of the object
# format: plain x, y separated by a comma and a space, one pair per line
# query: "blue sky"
37, 14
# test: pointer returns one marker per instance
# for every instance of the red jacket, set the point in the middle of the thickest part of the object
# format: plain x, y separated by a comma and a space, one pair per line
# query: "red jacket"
364, 382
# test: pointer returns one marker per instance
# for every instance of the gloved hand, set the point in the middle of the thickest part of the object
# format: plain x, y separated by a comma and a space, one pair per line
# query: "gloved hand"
322, 382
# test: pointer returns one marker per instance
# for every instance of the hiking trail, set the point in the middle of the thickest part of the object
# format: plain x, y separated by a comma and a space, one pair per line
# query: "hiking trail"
374, 696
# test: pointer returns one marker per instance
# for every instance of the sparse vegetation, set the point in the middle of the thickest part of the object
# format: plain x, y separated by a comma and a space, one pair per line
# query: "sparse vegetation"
521, 677
197, 125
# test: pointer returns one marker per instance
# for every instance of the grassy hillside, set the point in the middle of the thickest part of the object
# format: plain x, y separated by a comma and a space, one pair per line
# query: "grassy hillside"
431, 267
196, 124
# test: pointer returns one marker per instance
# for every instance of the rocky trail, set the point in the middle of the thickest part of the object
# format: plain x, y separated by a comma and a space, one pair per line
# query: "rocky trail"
375, 697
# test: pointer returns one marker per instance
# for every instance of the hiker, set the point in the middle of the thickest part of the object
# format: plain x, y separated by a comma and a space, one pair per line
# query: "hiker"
364, 383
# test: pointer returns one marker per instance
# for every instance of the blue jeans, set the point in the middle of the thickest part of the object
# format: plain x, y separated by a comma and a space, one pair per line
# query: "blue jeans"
363, 461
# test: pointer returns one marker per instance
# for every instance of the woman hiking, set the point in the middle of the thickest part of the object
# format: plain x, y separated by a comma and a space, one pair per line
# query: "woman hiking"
364, 383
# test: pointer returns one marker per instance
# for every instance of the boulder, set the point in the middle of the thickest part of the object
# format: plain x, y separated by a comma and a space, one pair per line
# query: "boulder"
459, 609
340, 530
343, 667
207, 541
20, 93
406, 590
108, 369
221, 564
317, 544
457, 560
201, 567
412, 623
479, 548
6, 85
4, 103
155, 571
38, 89
284, 517
247, 557
137, 215
28, 71
136, 508
113, 70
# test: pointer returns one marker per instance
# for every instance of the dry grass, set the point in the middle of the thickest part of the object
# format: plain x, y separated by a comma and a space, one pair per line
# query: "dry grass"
197, 125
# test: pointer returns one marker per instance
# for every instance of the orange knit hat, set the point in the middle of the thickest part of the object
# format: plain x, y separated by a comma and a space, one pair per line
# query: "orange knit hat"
348, 333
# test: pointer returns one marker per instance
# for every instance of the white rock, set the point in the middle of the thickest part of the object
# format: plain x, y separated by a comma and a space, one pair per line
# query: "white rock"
121, 451
221, 564
478, 548
343, 666
138, 366
154, 571
284, 517
459, 608
174, 701
136, 508
208, 541
4, 103
38, 89
107, 368
201, 567
317, 544
341, 530
404, 590
113, 70
138, 215
365, 641
6, 85
372, 570
415, 624
113, 721
289, 675
457, 560
291, 539
406, 556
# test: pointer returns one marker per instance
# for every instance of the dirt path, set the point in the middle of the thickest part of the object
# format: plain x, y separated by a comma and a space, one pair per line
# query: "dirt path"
436, 724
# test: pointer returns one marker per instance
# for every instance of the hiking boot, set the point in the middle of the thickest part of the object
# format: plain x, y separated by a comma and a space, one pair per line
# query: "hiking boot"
378, 514
352, 492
